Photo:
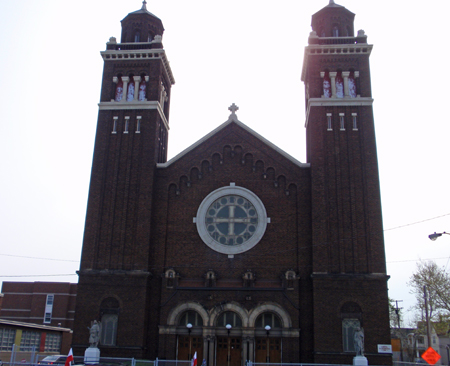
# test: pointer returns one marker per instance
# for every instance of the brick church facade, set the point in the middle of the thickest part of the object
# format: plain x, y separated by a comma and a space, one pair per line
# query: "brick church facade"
234, 249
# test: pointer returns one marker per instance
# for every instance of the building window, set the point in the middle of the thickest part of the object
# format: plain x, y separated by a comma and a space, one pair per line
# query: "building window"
191, 317
420, 340
49, 309
127, 124
118, 95
349, 326
229, 317
329, 125
269, 319
109, 329
114, 129
7, 337
50, 299
355, 122
342, 121
352, 85
335, 31
52, 342
137, 37
30, 341
138, 124
48, 318
130, 92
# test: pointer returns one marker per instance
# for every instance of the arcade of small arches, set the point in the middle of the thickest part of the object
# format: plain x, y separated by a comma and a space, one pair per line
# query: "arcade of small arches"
133, 88
339, 84
268, 174
229, 334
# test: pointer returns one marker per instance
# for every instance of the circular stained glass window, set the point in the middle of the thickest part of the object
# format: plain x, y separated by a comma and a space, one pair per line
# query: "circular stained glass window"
231, 220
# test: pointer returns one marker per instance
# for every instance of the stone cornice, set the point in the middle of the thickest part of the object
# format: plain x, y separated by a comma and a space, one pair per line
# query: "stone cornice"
151, 104
334, 50
140, 54
337, 102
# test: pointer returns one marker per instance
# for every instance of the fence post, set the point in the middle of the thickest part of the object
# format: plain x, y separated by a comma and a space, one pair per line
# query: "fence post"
133, 362
156, 361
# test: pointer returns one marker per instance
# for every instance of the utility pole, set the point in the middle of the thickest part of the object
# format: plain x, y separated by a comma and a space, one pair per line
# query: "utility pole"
427, 318
397, 311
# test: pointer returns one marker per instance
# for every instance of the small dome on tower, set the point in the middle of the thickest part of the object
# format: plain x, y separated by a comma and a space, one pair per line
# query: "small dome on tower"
333, 21
141, 26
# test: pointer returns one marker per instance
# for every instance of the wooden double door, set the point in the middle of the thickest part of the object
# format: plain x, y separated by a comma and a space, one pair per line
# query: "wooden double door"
192, 344
229, 351
268, 348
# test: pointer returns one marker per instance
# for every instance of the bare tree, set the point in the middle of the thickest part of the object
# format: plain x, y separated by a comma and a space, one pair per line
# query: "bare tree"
437, 281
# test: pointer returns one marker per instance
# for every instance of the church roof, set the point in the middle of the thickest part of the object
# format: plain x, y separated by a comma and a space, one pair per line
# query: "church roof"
233, 119
332, 6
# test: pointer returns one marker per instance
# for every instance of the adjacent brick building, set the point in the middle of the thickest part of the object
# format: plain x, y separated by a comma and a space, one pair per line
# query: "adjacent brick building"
48, 303
233, 249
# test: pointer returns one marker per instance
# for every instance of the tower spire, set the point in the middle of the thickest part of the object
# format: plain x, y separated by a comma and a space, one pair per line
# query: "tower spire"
144, 5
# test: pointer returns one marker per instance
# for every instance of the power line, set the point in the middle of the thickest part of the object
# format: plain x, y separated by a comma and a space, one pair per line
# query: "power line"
417, 222
45, 259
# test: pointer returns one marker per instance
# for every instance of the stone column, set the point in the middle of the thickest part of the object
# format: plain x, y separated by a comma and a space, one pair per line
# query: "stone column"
125, 80
333, 84
137, 80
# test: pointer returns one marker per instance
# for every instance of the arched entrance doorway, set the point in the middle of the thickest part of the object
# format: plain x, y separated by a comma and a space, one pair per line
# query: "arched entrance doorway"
268, 345
229, 339
193, 342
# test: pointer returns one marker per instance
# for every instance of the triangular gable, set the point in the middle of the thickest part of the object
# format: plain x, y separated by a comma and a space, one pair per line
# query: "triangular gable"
233, 119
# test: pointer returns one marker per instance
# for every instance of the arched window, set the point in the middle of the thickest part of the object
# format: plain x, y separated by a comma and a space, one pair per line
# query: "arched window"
352, 85
109, 309
351, 315
142, 89
335, 31
149, 38
229, 317
191, 317
130, 92
119, 90
269, 319
137, 36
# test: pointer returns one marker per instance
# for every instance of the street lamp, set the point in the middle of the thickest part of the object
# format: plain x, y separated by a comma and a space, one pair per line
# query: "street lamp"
189, 328
267, 328
228, 326
436, 235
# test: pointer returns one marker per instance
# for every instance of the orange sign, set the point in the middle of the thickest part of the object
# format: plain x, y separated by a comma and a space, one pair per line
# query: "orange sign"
431, 356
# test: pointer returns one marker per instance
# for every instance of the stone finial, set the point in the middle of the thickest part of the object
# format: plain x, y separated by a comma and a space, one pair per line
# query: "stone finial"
112, 40
144, 5
361, 33
157, 39
331, 2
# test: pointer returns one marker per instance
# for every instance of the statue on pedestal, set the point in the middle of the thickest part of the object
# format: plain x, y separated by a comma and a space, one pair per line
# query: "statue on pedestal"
94, 334
358, 339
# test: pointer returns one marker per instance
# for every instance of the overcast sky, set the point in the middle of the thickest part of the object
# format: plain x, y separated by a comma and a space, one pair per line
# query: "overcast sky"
246, 52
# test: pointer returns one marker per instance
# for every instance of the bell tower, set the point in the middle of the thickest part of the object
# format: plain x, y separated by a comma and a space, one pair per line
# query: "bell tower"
349, 268
131, 139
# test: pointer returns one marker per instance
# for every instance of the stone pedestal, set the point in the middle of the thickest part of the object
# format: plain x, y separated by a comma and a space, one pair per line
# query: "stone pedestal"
360, 361
91, 356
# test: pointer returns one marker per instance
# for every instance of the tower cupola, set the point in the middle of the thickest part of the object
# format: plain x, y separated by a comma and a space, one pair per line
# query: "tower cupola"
141, 26
333, 21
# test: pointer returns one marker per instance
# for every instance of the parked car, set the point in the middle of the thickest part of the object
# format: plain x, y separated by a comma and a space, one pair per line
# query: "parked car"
53, 359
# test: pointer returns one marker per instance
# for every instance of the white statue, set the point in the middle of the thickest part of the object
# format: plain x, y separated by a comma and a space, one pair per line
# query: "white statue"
94, 333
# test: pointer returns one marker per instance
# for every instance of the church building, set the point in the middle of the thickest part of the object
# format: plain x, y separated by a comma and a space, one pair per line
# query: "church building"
234, 249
